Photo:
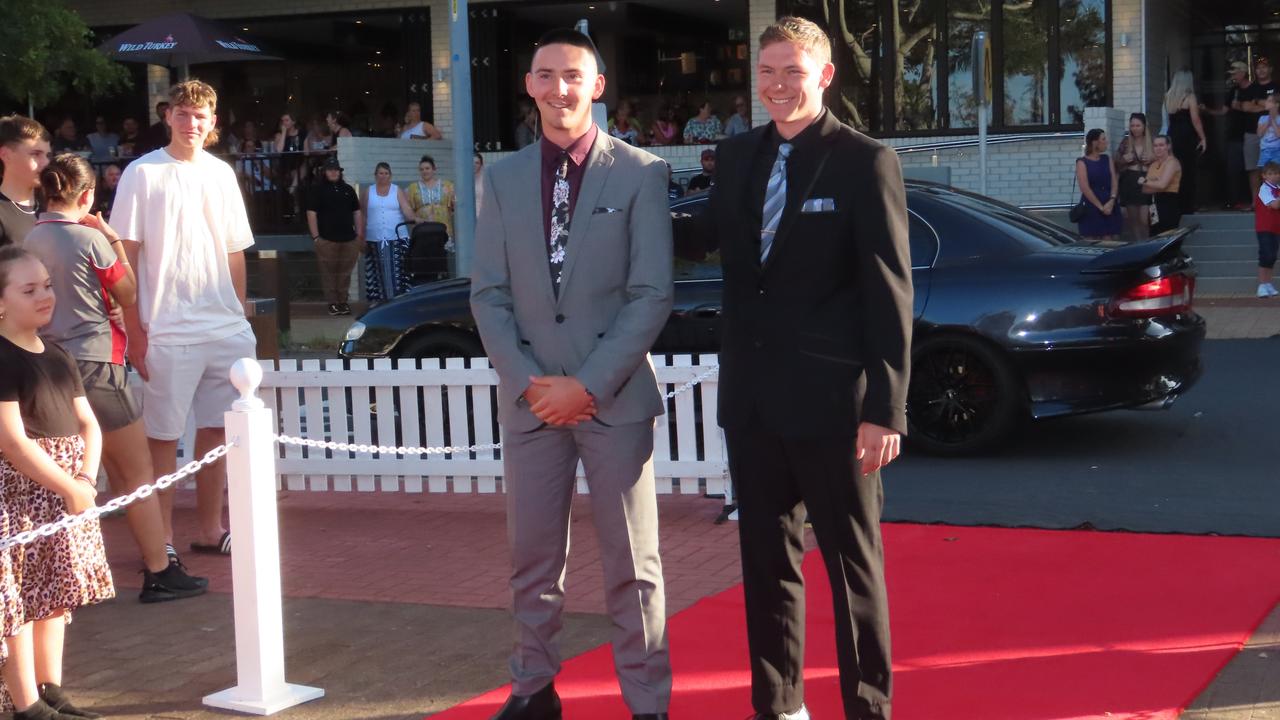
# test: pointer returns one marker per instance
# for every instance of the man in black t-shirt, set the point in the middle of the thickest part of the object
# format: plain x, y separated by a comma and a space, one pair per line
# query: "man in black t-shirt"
24, 152
1240, 122
1263, 87
705, 179
334, 218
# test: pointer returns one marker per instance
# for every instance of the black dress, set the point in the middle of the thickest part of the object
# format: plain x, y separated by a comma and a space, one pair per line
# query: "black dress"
1183, 135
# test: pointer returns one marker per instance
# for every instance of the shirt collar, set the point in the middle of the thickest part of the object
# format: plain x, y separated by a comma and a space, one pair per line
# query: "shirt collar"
578, 150
52, 216
805, 138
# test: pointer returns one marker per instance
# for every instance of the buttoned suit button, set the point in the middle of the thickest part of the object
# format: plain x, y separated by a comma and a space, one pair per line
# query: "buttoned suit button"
759, 344
559, 319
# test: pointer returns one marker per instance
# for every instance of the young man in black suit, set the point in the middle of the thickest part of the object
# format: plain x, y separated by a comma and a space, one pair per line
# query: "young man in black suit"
812, 224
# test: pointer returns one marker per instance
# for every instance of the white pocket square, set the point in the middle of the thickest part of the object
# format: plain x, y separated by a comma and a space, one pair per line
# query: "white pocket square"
818, 205
605, 210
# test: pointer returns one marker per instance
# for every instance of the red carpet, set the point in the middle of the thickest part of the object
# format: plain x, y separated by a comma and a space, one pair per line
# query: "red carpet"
988, 623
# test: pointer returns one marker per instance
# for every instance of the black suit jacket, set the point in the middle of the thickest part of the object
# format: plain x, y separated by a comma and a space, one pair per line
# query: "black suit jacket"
818, 339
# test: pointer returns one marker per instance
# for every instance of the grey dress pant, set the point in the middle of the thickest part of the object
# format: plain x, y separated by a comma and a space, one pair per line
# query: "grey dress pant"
540, 468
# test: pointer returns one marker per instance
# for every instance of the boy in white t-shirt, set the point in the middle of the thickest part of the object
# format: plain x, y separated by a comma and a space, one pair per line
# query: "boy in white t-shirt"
183, 219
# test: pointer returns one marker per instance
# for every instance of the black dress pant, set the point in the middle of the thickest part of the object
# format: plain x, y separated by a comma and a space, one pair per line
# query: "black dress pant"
777, 478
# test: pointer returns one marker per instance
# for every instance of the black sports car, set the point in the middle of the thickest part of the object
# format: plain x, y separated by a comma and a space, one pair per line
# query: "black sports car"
1014, 318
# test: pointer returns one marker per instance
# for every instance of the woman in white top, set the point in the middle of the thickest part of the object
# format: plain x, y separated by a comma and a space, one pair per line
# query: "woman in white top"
416, 127
385, 206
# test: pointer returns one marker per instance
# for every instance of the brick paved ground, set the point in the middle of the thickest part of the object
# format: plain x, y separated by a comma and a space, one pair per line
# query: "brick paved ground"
1240, 317
396, 605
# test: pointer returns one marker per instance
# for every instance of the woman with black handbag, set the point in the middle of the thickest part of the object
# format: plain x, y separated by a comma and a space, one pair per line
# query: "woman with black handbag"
1099, 186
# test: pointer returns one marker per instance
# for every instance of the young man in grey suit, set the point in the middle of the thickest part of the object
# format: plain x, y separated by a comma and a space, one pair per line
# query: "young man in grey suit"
811, 219
571, 284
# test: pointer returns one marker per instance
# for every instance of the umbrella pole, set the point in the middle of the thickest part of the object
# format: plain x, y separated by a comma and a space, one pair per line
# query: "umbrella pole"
31, 105
184, 71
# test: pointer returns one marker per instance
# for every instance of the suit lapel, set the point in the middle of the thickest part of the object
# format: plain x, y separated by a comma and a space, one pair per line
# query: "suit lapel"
802, 175
530, 244
739, 186
599, 162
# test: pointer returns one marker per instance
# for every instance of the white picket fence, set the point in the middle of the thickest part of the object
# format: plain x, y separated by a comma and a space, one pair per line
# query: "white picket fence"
435, 403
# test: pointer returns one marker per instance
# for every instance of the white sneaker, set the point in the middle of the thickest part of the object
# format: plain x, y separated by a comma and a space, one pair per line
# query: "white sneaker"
1266, 290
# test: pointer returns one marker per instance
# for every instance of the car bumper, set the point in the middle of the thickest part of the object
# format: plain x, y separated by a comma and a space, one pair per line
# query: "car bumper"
1149, 371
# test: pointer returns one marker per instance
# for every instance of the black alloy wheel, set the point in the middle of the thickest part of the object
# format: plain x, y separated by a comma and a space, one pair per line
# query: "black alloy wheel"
964, 397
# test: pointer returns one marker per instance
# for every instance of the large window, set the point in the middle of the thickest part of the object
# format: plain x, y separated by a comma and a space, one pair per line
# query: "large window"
1082, 33
1025, 55
964, 18
903, 66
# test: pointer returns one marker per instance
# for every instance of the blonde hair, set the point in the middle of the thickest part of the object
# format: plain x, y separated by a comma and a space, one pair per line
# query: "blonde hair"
195, 93
805, 34
1180, 88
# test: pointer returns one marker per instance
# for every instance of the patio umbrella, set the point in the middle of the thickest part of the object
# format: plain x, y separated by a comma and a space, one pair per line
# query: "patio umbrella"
182, 39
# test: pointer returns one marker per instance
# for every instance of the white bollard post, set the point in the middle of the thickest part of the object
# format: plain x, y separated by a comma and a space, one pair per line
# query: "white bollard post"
255, 557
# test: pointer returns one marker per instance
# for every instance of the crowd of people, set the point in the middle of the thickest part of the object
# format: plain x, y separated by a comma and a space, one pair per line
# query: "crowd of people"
1151, 181
667, 125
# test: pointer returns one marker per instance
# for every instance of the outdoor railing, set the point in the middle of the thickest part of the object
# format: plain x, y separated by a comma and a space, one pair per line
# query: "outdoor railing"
274, 186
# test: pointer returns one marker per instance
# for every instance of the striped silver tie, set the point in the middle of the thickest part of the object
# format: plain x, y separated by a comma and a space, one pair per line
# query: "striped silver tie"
775, 200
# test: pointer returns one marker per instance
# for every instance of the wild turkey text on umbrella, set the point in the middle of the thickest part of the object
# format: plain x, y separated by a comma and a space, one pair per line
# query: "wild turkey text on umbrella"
181, 40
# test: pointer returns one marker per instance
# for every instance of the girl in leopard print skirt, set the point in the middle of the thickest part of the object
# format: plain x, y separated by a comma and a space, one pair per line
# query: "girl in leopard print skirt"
49, 452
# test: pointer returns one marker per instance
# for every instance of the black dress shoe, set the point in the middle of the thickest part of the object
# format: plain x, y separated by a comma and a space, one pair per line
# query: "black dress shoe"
542, 705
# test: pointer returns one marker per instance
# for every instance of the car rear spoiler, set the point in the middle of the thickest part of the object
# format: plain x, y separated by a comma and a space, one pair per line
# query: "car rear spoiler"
1138, 255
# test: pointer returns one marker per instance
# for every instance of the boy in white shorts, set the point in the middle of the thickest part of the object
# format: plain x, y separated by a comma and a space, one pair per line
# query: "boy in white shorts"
183, 219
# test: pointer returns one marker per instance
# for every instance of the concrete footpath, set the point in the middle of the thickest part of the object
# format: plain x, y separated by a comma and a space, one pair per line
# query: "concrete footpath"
395, 604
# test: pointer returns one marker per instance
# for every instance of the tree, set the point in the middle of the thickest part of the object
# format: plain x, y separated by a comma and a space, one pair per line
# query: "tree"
46, 49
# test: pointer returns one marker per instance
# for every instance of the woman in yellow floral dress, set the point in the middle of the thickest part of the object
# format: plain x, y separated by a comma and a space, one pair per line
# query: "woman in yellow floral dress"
432, 198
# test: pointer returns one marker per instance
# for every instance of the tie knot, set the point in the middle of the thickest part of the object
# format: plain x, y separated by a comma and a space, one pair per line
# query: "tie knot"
562, 163
784, 150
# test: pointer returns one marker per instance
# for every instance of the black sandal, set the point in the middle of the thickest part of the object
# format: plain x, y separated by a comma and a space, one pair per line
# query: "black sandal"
222, 548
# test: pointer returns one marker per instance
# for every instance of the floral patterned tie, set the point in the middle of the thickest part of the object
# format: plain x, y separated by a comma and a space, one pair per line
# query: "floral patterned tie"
559, 236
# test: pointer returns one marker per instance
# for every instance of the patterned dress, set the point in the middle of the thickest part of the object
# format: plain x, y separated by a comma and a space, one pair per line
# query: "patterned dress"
68, 569
385, 273
434, 203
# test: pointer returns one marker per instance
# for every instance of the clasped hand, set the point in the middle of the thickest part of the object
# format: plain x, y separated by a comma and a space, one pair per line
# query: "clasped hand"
559, 400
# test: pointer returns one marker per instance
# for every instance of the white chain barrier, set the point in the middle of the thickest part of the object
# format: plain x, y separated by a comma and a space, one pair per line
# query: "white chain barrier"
145, 491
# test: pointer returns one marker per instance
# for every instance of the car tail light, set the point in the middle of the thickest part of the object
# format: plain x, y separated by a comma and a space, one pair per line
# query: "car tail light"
1168, 295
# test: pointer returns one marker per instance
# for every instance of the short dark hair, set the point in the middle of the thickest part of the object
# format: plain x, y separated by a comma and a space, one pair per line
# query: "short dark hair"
1271, 167
1093, 135
569, 36
427, 159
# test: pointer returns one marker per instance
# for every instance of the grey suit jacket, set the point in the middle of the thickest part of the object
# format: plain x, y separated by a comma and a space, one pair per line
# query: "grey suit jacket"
616, 286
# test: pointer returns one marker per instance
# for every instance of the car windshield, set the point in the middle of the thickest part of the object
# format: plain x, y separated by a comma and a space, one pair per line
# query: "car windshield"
1026, 229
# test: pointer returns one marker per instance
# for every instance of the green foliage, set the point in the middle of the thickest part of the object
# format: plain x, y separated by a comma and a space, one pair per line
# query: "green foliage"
46, 49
